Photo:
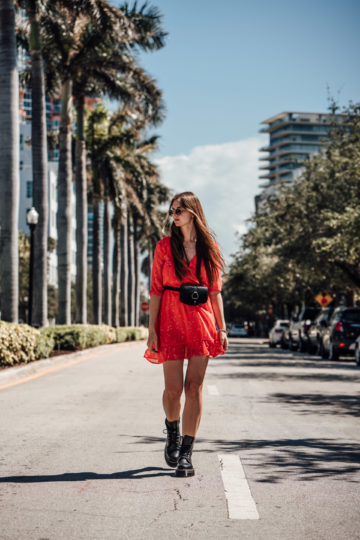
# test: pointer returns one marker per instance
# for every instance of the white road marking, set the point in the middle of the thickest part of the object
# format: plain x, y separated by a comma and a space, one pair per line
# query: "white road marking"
212, 390
240, 503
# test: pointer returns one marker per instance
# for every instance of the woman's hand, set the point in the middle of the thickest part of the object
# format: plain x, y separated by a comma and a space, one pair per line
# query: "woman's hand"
223, 339
152, 341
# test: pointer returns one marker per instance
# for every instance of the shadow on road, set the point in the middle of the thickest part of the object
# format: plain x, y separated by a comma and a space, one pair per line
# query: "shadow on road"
334, 404
278, 376
278, 459
240, 353
134, 474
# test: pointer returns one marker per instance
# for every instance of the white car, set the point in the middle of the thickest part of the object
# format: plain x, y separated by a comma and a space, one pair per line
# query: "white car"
277, 332
237, 330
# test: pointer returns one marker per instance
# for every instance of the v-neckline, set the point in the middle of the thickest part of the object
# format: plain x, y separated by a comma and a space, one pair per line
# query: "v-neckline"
192, 258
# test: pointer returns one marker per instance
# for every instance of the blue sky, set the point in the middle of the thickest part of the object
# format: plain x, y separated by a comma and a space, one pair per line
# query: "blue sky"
229, 65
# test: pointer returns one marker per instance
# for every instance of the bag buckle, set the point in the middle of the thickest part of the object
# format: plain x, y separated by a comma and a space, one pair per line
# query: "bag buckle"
195, 295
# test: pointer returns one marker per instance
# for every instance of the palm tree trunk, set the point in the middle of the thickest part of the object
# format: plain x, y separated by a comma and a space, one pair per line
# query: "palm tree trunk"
81, 218
9, 164
124, 271
97, 297
64, 202
40, 177
137, 271
116, 272
131, 278
107, 265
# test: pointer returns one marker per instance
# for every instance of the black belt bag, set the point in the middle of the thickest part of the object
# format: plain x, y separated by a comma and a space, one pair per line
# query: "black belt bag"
192, 295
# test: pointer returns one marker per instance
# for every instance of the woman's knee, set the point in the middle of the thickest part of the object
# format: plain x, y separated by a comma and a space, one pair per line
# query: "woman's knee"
193, 389
173, 393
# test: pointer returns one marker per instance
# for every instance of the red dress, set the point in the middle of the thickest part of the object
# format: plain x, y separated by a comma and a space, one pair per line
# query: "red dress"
183, 331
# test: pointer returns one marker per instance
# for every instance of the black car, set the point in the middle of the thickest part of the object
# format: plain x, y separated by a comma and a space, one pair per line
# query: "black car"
340, 335
317, 329
298, 337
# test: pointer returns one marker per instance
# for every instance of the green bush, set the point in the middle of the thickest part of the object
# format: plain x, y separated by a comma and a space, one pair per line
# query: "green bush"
22, 343
45, 343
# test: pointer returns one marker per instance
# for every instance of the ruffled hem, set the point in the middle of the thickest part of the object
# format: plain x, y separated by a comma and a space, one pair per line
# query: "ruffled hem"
180, 352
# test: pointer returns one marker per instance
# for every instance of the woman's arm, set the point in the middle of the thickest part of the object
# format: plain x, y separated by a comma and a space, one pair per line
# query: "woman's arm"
218, 308
155, 301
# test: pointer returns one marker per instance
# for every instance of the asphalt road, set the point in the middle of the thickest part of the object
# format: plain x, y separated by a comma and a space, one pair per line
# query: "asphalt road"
81, 441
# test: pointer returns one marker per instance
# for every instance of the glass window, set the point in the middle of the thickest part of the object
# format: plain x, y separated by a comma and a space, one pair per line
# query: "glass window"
29, 190
352, 315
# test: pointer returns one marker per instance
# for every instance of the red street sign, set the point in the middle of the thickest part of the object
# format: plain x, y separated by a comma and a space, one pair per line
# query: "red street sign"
144, 306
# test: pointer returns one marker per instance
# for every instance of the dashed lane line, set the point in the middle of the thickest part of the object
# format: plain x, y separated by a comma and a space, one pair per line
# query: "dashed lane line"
240, 503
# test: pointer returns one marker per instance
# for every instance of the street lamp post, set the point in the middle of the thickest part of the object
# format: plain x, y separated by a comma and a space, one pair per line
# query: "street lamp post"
32, 218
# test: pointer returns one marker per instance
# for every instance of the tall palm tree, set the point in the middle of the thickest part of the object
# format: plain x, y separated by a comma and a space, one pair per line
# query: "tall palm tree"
41, 14
33, 9
93, 60
61, 26
9, 164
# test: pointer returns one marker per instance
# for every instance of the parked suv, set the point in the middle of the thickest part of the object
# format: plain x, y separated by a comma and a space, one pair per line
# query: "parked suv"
317, 329
340, 335
299, 328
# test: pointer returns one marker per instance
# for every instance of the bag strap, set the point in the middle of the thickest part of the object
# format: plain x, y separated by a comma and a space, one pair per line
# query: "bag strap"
168, 288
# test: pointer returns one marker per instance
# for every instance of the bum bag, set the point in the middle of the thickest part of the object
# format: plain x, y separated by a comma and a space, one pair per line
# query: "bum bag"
192, 295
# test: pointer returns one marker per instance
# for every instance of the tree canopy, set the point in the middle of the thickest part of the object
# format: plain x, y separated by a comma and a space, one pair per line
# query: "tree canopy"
305, 238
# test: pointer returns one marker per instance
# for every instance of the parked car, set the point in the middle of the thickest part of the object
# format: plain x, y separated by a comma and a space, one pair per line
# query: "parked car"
342, 332
298, 337
277, 332
237, 330
317, 329
357, 351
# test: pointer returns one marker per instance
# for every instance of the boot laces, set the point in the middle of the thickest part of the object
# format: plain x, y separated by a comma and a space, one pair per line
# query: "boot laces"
173, 436
185, 452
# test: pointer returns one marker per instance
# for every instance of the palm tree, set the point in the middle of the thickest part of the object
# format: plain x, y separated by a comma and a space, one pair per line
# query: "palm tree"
140, 174
62, 25
33, 8
92, 59
9, 164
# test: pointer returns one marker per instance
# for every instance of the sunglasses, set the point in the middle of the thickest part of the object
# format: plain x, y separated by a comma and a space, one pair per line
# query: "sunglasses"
177, 212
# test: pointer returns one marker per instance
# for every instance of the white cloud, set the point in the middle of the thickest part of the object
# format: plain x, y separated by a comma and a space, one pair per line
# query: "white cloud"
225, 178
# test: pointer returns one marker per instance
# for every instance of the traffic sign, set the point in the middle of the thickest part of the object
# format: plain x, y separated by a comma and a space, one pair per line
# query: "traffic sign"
144, 306
324, 299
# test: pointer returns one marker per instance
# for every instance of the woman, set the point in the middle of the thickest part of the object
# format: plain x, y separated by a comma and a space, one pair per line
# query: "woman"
178, 330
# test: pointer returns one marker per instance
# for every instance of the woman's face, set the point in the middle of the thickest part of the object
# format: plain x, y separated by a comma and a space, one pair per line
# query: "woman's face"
182, 219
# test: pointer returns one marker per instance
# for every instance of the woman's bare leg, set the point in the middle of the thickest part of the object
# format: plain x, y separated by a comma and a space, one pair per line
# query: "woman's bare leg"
194, 380
174, 384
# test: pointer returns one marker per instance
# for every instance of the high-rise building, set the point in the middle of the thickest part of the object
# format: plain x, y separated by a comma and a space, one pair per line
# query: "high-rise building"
294, 138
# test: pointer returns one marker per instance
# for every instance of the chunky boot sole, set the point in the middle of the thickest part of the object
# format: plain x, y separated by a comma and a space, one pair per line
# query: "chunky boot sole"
171, 462
184, 473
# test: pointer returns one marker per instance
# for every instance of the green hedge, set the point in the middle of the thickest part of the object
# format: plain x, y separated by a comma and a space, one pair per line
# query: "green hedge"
21, 343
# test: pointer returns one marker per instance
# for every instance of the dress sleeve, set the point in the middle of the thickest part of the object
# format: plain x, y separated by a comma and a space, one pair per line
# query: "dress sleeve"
216, 284
157, 271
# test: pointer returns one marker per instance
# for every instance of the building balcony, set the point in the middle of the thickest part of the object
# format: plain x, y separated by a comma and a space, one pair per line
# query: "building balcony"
293, 144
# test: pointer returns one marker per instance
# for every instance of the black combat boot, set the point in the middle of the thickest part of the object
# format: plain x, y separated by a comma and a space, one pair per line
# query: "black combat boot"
172, 447
184, 466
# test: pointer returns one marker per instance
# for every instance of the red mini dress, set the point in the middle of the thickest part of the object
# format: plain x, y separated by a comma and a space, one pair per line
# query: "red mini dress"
183, 331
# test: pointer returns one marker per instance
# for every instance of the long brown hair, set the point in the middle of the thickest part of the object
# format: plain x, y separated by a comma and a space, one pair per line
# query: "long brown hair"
206, 249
